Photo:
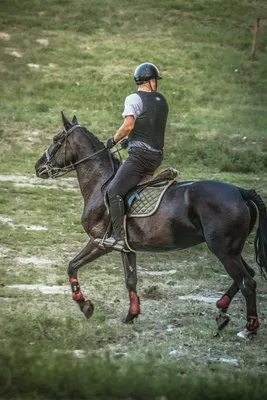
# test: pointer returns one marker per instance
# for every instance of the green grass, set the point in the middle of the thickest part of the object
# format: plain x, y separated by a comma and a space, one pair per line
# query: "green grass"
108, 379
217, 93
39, 332
216, 130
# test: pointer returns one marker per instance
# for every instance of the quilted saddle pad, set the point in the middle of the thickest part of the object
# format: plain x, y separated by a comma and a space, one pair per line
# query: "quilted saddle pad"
148, 201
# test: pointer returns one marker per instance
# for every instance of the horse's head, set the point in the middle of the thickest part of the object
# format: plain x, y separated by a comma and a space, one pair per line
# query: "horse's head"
59, 157
72, 147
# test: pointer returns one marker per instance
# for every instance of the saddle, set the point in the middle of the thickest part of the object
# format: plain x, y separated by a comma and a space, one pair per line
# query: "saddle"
144, 199
166, 175
160, 181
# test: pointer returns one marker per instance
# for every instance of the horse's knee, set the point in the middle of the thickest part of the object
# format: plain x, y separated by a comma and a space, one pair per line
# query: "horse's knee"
248, 286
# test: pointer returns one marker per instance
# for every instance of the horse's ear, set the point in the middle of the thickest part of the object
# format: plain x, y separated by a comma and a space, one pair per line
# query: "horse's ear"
74, 120
66, 123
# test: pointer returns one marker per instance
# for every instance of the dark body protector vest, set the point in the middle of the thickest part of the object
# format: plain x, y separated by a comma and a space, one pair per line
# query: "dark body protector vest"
150, 125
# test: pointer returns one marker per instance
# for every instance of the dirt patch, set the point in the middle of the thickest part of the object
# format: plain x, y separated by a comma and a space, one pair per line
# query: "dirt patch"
13, 52
34, 66
151, 272
152, 293
200, 297
4, 250
37, 261
27, 181
180, 353
224, 359
4, 36
43, 42
42, 288
8, 221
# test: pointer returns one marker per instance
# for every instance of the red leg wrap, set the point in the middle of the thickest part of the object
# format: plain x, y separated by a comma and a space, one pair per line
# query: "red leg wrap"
134, 303
253, 323
223, 302
76, 291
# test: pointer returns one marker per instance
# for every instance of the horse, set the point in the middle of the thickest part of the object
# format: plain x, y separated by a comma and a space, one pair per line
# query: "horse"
190, 213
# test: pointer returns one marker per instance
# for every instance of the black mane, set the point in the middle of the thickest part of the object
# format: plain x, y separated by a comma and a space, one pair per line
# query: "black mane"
98, 145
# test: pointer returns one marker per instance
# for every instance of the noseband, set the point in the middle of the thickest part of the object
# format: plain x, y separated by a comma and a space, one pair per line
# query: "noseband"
55, 172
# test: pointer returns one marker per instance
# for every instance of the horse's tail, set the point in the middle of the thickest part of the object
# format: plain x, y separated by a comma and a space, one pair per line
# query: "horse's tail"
260, 241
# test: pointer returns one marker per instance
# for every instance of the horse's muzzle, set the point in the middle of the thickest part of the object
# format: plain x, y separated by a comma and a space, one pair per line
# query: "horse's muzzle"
42, 172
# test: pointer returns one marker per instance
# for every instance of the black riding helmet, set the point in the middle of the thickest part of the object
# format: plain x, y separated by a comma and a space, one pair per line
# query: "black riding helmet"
146, 71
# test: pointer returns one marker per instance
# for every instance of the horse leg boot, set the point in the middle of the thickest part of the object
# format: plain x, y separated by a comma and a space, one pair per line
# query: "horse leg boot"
223, 318
116, 240
224, 302
238, 272
87, 255
129, 264
248, 289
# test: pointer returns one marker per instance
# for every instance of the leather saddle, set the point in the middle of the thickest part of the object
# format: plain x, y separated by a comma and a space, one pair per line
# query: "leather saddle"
166, 175
159, 180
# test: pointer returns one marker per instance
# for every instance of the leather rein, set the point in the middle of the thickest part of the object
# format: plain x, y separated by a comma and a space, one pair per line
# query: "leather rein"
55, 172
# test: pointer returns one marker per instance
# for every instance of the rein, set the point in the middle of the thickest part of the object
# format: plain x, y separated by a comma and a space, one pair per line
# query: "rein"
55, 172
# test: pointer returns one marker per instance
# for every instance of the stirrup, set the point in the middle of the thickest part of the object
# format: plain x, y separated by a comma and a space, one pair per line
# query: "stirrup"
111, 242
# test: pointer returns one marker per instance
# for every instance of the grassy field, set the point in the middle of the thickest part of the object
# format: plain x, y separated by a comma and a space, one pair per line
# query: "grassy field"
79, 57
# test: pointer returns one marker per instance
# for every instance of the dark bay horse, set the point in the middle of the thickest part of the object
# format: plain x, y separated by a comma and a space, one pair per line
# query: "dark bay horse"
220, 214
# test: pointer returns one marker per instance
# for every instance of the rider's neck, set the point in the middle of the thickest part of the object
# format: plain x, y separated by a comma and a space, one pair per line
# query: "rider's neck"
146, 87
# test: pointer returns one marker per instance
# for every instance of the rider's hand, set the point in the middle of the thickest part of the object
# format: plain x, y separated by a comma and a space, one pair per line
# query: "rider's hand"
124, 143
110, 143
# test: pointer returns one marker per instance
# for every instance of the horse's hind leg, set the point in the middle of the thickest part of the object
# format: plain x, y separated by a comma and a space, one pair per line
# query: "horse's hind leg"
224, 302
87, 255
243, 280
129, 264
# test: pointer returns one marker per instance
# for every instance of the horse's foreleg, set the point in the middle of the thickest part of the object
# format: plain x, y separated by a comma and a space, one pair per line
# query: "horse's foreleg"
87, 255
129, 264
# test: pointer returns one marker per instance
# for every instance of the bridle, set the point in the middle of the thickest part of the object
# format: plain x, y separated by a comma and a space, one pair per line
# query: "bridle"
55, 172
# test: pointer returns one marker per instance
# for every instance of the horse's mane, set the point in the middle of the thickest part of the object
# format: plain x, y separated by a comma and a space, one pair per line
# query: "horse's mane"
98, 145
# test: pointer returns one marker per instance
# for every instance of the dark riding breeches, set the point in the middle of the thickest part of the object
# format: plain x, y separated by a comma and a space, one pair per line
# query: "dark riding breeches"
140, 163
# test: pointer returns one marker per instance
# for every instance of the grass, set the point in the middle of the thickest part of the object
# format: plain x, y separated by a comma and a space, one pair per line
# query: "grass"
215, 90
111, 380
216, 130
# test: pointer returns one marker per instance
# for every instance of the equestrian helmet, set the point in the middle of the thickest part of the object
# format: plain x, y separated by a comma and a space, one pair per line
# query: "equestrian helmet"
146, 71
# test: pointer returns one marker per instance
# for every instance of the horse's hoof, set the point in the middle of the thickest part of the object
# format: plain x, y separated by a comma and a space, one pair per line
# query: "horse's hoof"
222, 321
88, 309
130, 318
247, 335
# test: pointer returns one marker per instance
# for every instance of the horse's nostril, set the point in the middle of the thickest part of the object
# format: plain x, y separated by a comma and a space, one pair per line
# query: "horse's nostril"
42, 172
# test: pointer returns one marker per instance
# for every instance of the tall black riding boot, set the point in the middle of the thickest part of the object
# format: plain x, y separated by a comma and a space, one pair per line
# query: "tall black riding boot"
116, 241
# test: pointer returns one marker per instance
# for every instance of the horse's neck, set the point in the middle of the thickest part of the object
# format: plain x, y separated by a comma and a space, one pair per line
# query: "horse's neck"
91, 178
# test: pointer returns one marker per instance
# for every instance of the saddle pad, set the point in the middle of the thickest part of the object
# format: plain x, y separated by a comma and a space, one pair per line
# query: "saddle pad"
148, 201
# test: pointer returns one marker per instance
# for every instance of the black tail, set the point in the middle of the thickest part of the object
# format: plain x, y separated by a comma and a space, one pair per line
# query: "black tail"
260, 242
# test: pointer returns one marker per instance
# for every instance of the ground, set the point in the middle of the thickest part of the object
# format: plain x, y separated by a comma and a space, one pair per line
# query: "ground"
79, 57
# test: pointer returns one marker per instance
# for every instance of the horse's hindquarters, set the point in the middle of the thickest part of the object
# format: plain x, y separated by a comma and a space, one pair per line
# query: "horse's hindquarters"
172, 227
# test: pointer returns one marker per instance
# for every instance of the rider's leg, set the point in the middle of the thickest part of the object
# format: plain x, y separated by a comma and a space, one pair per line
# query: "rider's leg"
116, 207
139, 164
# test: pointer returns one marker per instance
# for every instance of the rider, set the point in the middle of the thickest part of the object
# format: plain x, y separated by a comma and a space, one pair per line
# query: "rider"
145, 116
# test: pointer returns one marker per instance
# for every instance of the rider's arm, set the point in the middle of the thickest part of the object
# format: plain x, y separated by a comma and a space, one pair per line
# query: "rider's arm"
125, 129
133, 107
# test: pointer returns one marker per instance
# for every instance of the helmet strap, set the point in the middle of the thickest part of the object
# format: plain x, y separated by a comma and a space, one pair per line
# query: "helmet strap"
151, 85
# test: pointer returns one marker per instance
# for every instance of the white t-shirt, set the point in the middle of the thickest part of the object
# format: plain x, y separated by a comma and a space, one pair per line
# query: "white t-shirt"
133, 105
